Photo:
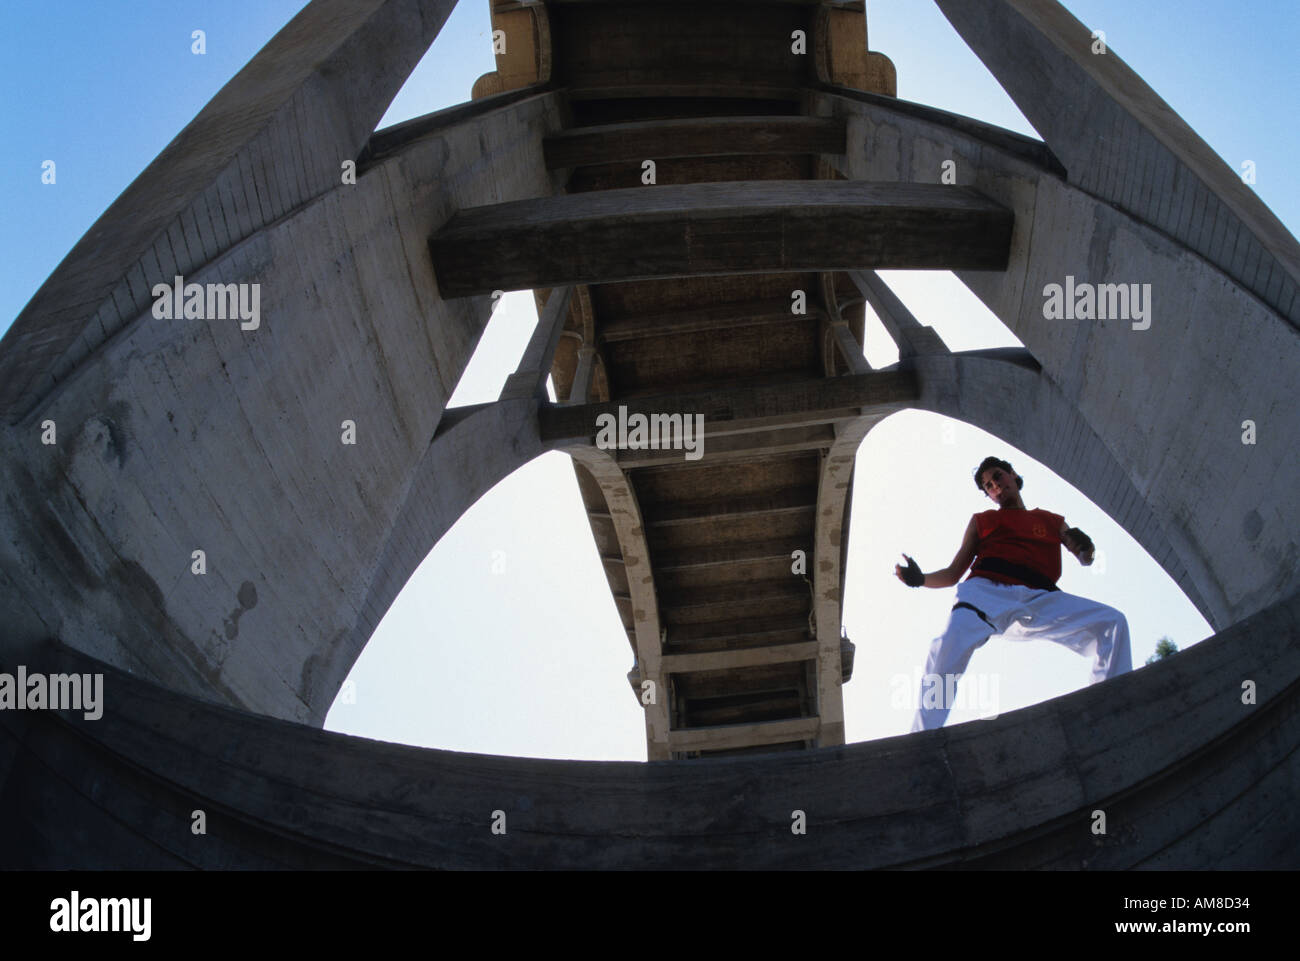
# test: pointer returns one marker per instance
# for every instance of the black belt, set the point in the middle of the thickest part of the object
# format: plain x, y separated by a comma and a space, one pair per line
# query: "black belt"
1031, 577
971, 607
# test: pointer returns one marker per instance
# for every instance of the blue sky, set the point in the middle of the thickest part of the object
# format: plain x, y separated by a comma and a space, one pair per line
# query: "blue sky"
507, 641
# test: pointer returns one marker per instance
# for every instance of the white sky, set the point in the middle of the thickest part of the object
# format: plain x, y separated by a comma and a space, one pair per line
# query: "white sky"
506, 639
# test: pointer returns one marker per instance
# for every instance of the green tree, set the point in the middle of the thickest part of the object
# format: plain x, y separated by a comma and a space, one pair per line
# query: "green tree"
1164, 647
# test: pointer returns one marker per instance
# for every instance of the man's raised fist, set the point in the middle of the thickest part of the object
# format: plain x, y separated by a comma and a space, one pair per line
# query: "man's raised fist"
911, 574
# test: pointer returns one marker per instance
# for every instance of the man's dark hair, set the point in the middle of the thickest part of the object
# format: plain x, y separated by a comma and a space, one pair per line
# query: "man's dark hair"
990, 462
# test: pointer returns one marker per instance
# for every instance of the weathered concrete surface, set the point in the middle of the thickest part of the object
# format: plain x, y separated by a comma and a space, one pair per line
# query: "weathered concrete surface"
1122, 143
189, 435
1188, 775
1167, 402
703, 229
176, 436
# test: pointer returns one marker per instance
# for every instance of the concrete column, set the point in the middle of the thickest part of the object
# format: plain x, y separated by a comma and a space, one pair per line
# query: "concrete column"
530, 379
581, 391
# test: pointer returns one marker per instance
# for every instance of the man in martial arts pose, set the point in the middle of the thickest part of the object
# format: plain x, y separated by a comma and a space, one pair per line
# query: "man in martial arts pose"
1012, 591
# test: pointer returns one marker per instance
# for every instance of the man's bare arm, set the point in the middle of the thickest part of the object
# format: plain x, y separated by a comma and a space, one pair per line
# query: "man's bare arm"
951, 574
1077, 543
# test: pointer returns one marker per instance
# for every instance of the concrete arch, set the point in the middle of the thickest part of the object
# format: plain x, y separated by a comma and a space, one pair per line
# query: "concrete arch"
1004, 392
625, 513
1140, 391
187, 429
176, 436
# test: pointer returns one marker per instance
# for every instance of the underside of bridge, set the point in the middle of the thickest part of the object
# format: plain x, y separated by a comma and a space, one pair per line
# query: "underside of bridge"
699, 194
694, 206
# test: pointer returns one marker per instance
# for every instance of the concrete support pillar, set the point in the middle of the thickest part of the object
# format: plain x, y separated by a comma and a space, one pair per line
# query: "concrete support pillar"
849, 347
906, 331
581, 391
530, 379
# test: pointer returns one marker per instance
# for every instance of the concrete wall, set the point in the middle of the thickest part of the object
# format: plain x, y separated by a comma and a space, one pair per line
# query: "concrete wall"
1187, 774
184, 435
1167, 402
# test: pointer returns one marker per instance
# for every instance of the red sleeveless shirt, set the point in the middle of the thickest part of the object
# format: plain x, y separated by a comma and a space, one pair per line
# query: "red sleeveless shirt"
1029, 538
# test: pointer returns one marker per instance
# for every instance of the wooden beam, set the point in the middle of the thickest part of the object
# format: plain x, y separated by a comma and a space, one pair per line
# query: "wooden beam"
703, 604
743, 735
709, 137
712, 229
739, 633
743, 409
791, 501
660, 4
757, 444
712, 317
745, 657
739, 89
697, 557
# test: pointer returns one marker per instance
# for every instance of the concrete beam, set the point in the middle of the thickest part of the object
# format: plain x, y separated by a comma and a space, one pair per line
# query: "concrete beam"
735, 447
535, 365
710, 317
746, 409
735, 634
732, 554
708, 229
625, 515
711, 137
849, 348
744, 657
727, 736
790, 501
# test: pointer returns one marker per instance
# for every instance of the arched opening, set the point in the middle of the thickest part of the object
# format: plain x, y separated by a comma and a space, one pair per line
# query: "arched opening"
913, 493
506, 639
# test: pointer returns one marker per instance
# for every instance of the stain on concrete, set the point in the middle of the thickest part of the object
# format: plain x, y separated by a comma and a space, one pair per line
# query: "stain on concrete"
247, 598
55, 540
307, 678
109, 432
141, 590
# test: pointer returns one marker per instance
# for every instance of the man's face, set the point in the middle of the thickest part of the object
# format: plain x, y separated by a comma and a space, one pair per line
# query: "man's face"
999, 485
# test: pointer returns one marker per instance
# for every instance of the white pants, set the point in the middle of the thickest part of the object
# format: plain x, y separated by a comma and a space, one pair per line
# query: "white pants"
1019, 613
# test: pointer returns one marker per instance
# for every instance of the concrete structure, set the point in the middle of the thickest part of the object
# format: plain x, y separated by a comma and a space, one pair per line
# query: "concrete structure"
777, 172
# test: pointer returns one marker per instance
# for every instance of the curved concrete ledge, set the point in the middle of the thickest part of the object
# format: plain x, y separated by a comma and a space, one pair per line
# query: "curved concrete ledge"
1188, 777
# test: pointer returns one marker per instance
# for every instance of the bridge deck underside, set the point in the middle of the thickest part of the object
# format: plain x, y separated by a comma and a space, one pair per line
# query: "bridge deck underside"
723, 533
711, 242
